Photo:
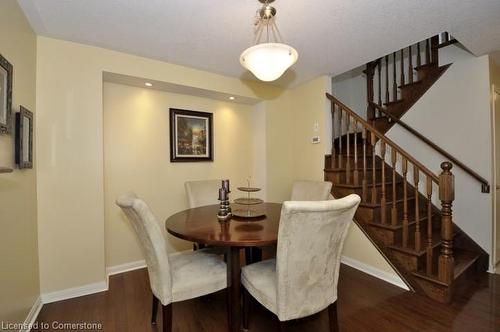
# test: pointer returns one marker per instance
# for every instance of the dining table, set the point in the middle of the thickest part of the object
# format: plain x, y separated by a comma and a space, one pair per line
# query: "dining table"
201, 225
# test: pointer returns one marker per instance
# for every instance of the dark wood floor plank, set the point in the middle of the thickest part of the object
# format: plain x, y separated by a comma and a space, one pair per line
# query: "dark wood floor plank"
365, 304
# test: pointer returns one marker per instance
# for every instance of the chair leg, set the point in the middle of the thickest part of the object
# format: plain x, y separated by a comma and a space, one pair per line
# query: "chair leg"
155, 310
228, 308
282, 326
246, 308
167, 317
333, 317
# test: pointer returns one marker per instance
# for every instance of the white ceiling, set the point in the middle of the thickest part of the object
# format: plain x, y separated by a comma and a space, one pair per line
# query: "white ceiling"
331, 36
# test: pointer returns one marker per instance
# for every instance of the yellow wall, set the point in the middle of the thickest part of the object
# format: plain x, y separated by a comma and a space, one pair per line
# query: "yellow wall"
310, 105
70, 149
19, 285
136, 156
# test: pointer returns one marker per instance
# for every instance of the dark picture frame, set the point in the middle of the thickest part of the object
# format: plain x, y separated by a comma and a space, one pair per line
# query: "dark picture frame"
24, 138
6, 74
191, 136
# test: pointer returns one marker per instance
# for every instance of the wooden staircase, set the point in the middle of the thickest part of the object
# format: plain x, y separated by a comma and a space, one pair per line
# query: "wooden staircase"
406, 209
396, 81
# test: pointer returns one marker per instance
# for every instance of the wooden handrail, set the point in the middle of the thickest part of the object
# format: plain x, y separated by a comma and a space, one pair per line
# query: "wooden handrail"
381, 136
485, 186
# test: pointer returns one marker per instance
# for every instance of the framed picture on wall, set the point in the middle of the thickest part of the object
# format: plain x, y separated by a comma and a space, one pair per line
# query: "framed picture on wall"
191, 136
24, 138
5, 95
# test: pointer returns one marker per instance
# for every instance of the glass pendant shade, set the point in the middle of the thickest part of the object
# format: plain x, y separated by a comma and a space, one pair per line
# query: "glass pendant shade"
268, 61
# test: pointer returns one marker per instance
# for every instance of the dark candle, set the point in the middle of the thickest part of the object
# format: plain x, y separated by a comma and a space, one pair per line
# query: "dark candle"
225, 185
222, 194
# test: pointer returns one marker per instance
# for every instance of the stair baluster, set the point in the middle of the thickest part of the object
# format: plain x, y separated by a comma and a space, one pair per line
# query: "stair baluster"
348, 146
356, 171
417, 209
374, 173
402, 69
365, 175
383, 201
387, 97
333, 156
419, 60
379, 69
404, 164
427, 51
339, 119
410, 65
429, 259
394, 83
370, 72
435, 50
394, 209
447, 196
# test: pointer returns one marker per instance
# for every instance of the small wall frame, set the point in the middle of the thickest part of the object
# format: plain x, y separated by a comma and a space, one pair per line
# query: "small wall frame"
24, 138
6, 72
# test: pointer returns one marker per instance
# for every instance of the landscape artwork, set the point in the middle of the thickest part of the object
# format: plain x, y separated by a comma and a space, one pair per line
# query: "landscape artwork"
191, 136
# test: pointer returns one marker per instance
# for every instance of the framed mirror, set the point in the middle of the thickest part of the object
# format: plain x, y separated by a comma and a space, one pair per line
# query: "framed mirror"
24, 138
5, 95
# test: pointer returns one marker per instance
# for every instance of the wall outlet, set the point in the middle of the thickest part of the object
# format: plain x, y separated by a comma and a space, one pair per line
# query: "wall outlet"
315, 140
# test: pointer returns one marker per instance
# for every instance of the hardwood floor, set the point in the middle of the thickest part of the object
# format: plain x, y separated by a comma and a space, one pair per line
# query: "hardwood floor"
365, 304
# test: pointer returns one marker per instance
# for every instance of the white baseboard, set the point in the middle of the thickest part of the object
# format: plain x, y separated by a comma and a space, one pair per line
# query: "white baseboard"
112, 270
32, 315
97, 287
383, 275
74, 292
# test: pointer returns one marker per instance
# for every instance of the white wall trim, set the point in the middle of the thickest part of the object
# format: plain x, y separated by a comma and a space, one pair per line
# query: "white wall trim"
131, 266
32, 315
74, 292
383, 275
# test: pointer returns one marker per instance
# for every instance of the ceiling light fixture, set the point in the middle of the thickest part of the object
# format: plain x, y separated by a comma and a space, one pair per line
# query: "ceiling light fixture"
148, 84
231, 98
270, 59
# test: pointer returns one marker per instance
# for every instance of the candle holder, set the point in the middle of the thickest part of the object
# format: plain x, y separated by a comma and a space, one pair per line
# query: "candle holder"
224, 210
224, 207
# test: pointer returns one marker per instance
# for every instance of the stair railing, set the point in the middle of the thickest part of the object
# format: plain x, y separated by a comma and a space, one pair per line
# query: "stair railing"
386, 70
349, 125
485, 186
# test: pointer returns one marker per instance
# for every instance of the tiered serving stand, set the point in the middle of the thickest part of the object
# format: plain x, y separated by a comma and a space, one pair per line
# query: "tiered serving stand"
248, 207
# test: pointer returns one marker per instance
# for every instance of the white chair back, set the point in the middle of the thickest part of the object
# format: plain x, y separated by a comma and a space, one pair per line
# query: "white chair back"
152, 243
202, 193
311, 190
310, 240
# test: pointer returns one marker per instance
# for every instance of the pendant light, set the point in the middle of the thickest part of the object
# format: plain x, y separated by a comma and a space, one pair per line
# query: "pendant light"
270, 59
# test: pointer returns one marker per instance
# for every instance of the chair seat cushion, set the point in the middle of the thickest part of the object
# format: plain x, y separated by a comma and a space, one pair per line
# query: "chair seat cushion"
260, 281
196, 273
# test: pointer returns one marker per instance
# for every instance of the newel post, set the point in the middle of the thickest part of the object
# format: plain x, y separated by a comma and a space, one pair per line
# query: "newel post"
446, 195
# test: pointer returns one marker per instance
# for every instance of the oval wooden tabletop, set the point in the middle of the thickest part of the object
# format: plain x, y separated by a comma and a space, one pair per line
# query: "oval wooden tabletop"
201, 225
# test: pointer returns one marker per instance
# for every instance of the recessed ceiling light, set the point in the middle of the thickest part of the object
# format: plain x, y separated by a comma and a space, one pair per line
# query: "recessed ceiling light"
231, 98
148, 84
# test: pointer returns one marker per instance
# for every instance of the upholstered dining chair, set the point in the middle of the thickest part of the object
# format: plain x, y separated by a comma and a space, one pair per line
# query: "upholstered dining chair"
311, 190
202, 193
175, 277
302, 279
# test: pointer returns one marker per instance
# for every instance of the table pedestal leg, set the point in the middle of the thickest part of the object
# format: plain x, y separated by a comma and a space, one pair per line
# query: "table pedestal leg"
233, 284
